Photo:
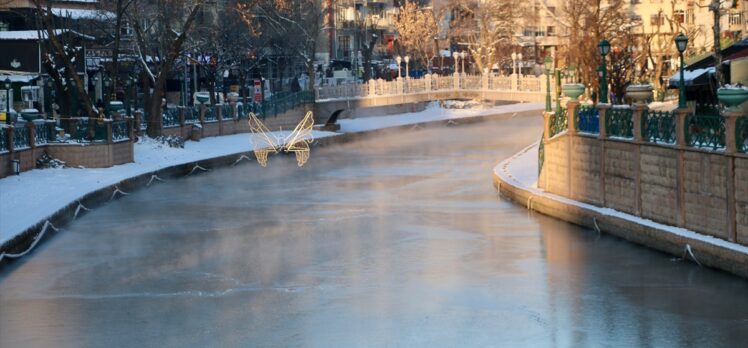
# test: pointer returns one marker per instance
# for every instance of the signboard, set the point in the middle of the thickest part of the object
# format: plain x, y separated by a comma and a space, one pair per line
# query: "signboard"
258, 91
99, 53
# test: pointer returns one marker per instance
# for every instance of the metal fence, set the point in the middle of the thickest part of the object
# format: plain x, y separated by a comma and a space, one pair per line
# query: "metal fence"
619, 122
119, 131
558, 122
45, 133
4, 139
21, 138
171, 117
741, 134
659, 126
588, 119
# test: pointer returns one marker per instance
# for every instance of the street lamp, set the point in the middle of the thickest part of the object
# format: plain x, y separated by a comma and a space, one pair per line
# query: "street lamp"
514, 63
7, 100
604, 48
548, 70
681, 43
399, 60
462, 55
407, 67
128, 83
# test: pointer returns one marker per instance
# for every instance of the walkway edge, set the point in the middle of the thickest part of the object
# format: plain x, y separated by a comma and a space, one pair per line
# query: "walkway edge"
702, 249
67, 214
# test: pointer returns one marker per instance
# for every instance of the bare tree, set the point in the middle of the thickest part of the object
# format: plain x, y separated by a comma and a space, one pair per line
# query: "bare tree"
486, 27
161, 28
297, 24
416, 27
60, 51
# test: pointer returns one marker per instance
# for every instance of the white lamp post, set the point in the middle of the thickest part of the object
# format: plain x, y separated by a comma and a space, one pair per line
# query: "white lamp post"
514, 63
399, 60
456, 56
407, 67
462, 55
519, 64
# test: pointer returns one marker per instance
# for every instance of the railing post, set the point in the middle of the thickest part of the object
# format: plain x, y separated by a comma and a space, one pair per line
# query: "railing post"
731, 120
201, 113
571, 116
32, 134
138, 120
638, 110
456, 81
484, 80
108, 124
180, 114
603, 115
131, 128
680, 127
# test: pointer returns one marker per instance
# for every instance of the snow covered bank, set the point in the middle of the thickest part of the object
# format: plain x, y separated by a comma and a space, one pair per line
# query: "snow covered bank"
27, 199
519, 175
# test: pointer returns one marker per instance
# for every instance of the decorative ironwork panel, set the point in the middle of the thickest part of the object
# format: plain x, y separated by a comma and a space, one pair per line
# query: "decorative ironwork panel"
4, 139
659, 127
21, 138
619, 122
741, 134
119, 131
588, 119
558, 122
191, 115
171, 117
210, 114
705, 131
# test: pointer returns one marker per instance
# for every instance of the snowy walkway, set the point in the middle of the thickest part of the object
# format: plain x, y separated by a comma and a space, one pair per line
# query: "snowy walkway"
31, 197
521, 171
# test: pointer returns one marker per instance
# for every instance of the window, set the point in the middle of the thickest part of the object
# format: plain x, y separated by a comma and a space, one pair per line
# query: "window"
344, 46
690, 16
657, 19
635, 2
550, 31
4, 26
679, 16
529, 31
736, 18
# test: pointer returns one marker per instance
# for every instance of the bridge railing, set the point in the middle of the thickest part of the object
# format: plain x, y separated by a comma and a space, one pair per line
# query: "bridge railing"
430, 83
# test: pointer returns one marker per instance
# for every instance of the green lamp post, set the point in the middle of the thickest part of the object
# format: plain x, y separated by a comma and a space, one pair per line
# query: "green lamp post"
681, 43
604, 48
548, 62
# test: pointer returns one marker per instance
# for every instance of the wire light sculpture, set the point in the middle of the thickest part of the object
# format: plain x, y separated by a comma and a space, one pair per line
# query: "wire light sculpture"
297, 142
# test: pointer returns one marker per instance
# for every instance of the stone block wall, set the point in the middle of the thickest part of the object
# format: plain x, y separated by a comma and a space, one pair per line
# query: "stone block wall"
585, 170
659, 184
620, 176
741, 199
556, 166
705, 193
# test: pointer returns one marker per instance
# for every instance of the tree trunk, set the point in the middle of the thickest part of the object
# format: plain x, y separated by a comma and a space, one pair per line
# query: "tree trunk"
718, 73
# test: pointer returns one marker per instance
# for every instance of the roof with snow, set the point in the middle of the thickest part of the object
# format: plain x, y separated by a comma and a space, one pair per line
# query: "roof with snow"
34, 34
82, 14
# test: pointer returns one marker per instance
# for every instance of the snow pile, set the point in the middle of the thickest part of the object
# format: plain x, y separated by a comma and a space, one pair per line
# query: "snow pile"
461, 104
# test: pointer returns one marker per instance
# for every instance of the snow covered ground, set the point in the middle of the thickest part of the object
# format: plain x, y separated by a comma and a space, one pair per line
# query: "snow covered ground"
31, 197
521, 170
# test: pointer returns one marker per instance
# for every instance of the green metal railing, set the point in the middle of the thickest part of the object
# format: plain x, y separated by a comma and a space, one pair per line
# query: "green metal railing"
558, 122
705, 131
588, 119
619, 122
210, 114
541, 154
226, 111
659, 126
241, 111
741, 134
21, 138
170, 117
81, 131
45, 133
119, 131
281, 103
191, 115
3, 139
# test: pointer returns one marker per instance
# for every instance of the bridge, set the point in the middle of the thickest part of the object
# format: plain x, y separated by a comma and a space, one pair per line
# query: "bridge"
380, 93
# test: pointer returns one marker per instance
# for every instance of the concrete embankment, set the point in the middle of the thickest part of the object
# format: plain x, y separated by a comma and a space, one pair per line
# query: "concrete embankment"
702, 249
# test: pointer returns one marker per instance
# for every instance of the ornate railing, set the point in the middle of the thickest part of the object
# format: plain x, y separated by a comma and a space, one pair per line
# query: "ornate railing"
541, 154
659, 126
210, 114
144, 121
530, 84
119, 131
227, 112
705, 131
241, 111
558, 122
588, 119
21, 138
45, 133
500, 83
741, 134
81, 130
4, 139
170, 117
191, 115
619, 122
472, 82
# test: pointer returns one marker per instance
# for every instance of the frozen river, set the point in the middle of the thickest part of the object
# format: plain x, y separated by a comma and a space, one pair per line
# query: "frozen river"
396, 240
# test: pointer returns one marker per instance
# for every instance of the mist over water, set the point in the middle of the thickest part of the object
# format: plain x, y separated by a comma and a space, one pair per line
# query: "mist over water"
393, 240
